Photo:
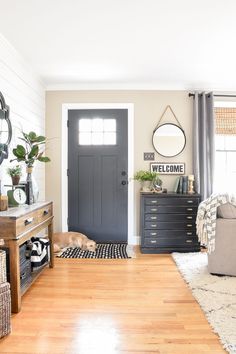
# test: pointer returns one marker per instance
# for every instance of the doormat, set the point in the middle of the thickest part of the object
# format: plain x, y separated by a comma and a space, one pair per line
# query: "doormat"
103, 251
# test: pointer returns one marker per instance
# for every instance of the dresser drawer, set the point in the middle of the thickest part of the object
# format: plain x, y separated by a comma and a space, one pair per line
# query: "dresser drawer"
170, 233
170, 217
44, 213
160, 225
26, 222
172, 201
168, 242
166, 209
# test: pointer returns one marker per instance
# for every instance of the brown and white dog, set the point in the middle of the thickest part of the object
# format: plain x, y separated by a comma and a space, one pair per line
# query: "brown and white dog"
73, 239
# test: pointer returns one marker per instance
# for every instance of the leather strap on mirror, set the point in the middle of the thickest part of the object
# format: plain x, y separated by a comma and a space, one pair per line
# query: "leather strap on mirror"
168, 107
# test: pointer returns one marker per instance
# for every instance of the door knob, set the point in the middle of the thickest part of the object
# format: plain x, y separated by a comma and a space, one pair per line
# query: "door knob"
123, 183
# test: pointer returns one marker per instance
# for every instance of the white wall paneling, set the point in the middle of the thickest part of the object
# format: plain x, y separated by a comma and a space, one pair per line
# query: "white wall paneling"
25, 94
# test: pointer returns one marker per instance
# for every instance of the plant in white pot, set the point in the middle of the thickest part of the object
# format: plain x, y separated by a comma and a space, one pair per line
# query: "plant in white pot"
31, 152
146, 179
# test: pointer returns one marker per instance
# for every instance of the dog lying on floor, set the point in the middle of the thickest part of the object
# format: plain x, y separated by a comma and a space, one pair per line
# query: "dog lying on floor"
73, 239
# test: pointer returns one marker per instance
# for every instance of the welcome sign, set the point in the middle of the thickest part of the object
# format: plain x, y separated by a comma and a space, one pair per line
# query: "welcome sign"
172, 168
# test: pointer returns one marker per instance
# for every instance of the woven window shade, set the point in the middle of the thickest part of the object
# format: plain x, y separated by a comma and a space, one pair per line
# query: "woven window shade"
225, 121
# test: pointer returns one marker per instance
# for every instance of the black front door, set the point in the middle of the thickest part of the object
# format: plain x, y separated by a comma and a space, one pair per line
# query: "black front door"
98, 163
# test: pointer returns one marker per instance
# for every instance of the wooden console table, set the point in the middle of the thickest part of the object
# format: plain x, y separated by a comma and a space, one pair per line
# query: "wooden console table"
18, 225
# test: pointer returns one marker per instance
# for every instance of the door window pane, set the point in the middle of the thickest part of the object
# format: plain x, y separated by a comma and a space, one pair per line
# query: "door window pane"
109, 125
97, 131
85, 138
97, 125
97, 138
85, 125
109, 138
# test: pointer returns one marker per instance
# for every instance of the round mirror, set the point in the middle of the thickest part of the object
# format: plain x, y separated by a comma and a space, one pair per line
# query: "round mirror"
168, 140
5, 129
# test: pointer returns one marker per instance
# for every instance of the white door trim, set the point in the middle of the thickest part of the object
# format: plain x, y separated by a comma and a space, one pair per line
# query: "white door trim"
132, 240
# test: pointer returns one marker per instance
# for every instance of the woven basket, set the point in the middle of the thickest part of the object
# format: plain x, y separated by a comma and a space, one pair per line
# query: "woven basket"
3, 276
5, 309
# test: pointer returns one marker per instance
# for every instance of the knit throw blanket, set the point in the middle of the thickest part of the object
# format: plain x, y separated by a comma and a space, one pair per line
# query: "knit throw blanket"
206, 218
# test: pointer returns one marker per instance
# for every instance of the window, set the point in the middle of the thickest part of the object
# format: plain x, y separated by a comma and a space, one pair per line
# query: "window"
225, 143
97, 131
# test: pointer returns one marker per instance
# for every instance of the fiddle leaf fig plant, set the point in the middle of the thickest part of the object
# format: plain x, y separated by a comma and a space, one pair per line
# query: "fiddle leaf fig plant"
32, 150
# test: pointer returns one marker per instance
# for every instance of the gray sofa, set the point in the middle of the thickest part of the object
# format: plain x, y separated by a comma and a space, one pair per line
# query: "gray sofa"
223, 259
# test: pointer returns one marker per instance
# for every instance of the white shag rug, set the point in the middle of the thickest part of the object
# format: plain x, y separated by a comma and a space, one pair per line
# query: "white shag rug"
215, 294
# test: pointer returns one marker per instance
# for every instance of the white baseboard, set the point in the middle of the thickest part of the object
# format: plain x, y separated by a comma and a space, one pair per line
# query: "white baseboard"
135, 240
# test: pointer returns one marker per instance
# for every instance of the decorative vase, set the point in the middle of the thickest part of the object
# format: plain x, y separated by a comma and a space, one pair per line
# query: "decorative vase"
32, 189
15, 180
29, 187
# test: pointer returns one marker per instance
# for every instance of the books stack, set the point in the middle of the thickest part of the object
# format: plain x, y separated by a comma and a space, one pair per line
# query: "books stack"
181, 185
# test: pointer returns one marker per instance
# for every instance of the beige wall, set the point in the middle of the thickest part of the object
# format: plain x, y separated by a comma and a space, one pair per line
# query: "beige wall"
148, 107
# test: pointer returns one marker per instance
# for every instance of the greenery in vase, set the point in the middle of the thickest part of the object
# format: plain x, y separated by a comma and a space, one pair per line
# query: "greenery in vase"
15, 171
32, 150
145, 176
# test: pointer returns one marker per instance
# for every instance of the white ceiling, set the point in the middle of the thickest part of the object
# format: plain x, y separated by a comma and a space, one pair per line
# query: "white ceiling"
161, 44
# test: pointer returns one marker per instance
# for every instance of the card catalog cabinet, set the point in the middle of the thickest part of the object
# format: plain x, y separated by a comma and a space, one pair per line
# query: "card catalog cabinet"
168, 223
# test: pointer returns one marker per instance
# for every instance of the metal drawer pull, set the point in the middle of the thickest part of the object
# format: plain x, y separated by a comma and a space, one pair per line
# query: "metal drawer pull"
189, 241
153, 233
189, 217
190, 209
189, 233
154, 209
46, 212
29, 221
153, 241
189, 225
153, 217
153, 225
190, 201
153, 201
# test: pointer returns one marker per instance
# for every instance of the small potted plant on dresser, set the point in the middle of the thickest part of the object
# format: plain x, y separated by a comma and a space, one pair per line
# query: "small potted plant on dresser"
146, 179
15, 173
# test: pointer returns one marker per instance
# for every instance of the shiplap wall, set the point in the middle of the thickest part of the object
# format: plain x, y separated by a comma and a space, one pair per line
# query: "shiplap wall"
25, 94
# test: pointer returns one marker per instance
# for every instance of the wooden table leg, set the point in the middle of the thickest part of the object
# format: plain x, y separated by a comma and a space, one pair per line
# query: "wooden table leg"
50, 236
15, 275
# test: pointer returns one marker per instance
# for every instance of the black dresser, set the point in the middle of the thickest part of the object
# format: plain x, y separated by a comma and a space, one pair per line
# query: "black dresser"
168, 222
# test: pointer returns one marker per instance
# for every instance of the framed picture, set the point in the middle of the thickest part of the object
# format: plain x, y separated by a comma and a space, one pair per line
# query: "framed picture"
172, 168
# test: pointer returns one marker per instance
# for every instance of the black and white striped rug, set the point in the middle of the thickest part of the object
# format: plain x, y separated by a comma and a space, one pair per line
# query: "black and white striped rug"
104, 251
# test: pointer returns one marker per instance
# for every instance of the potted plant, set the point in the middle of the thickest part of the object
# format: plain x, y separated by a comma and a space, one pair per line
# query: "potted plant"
32, 151
146, 178
15, 173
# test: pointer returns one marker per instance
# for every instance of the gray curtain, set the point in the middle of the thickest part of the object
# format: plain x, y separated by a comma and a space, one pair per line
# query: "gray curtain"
203, 143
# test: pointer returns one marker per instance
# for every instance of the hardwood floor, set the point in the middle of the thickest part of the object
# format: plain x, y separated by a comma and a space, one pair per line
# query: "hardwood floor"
129, 306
